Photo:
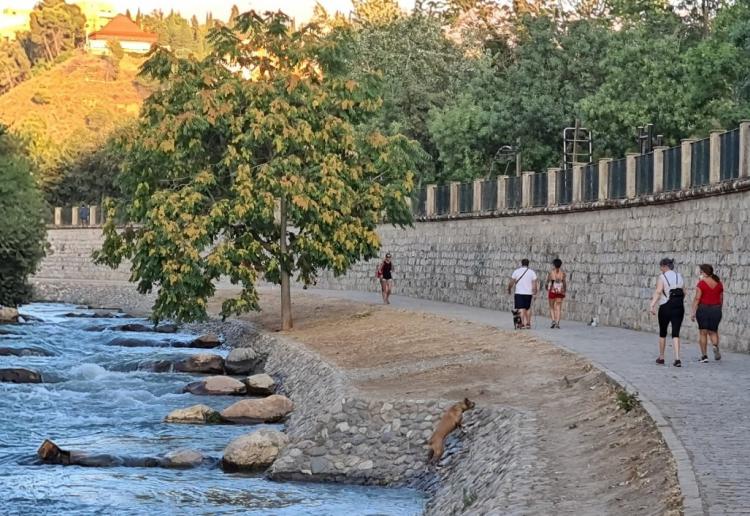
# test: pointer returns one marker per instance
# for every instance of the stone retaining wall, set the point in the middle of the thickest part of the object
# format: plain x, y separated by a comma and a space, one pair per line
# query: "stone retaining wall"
611, 256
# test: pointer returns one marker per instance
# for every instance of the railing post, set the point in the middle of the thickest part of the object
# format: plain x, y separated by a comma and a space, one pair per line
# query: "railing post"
630, 174
93, 214
74, 216
476, 200
744, 143
502, 187
686, 162
526, 193
604, 179
552, 186
577, 193
714, 173
58, 216
454, 193
429, 203
659, 168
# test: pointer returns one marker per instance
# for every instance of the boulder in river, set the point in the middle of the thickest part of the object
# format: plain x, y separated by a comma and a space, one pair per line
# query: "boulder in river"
197, 414
25, 352
242, 361
98, 314
208, 340
8, 314
261, 384
135, 342
216, 386
254, 451
19, 375
204, 363
267, 410
182, 458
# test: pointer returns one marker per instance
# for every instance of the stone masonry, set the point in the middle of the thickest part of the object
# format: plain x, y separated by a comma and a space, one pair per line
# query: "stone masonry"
611, 257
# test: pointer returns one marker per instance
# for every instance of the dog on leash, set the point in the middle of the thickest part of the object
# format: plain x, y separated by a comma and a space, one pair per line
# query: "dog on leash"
517, 322
451, 420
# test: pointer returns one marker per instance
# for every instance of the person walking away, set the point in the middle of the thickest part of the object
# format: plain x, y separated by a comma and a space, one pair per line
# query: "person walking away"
669, 294
83, 215
523, 282
557, 286
709, 298
385, 275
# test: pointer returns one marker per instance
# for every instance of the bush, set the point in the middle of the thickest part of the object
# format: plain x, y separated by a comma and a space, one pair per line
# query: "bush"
41, 98
22, 232
627, 401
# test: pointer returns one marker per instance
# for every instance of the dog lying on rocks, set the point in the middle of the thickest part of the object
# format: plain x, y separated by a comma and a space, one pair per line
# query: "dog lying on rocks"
50, 453
451, 420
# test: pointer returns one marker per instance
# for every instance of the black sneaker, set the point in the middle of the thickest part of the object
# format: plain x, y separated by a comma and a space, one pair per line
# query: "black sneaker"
704, 359
660, 361
677, 363
552, 327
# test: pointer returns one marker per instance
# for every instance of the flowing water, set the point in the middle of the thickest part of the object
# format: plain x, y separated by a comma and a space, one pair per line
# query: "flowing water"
96, 399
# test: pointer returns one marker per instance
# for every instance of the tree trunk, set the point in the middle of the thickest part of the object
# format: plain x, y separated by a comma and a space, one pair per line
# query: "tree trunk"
286, 294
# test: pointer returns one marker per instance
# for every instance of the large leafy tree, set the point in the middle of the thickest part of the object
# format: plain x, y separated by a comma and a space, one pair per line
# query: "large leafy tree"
56, 27
254, 162
22, 231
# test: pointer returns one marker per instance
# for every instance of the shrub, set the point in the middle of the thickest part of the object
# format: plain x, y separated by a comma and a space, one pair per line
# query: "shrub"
41, 98
627, 401
22, 232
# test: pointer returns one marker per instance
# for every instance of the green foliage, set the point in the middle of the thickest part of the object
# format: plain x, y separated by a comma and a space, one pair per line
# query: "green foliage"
56, 26
627, 401
22, 231
376, 12
115, 50
14, 63
182, 36
232, 139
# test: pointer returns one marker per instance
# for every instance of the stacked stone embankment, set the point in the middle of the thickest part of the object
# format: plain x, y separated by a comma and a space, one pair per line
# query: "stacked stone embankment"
611, 257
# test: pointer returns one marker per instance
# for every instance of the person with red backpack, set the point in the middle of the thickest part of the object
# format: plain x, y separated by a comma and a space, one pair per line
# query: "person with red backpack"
384, 273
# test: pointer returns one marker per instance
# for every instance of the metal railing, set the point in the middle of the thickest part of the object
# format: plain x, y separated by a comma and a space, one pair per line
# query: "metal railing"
729, 164
644, 174
513, 193
564, 186
617, 179
672, 169
466, 197
489, 195
539, 190
443, 199
590, 183
700, 162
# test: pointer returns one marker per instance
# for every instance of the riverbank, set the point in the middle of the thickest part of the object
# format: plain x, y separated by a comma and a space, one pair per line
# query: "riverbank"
559, 442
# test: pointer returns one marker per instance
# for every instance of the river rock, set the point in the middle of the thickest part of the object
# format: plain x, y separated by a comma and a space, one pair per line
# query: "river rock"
261, 384
209, 340
25, 352
197, 414
266, 410
18, 375
8, 314
182, 458
202, 363
135, 342
216, 386
242, 361
254, 451
98, 314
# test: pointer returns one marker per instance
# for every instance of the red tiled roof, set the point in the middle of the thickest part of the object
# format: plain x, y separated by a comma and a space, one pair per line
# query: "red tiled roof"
123, 28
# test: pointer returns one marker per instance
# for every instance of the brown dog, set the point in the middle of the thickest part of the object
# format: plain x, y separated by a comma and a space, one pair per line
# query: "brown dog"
451, 420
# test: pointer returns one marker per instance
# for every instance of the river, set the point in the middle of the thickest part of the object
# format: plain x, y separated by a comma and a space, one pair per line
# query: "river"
96, 399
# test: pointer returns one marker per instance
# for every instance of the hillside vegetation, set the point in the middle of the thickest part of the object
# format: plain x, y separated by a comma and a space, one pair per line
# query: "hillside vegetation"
67, 113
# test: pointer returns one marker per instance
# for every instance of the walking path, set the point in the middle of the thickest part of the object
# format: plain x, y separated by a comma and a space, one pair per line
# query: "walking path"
703, 410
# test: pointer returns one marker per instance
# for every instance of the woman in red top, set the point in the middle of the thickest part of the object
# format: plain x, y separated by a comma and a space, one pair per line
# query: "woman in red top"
709, 296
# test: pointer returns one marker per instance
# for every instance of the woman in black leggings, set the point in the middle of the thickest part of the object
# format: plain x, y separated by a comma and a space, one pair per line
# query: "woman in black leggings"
670, 296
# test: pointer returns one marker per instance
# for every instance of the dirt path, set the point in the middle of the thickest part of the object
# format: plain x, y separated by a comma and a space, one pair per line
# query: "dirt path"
599, 459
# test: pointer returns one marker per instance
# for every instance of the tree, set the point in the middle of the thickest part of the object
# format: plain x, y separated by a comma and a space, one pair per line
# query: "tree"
55, 27
239, 136
14, 64
22, 232
376, 12
233, 14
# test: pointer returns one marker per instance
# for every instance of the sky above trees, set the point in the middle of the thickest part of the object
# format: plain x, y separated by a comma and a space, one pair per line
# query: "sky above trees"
301, 9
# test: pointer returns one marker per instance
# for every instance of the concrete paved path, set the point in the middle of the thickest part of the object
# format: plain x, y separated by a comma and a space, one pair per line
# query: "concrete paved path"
703, 410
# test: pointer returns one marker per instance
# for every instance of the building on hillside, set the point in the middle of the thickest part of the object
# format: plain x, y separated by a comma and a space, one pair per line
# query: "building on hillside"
13, 20
97, 13
124, 30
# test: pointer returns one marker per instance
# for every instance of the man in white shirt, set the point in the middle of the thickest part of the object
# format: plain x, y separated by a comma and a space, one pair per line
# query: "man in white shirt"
526, 285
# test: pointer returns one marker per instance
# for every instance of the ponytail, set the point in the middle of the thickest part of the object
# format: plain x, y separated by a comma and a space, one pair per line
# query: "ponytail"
708, 270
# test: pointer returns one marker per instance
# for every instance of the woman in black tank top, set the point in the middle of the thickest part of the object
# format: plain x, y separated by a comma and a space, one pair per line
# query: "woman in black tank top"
385, 275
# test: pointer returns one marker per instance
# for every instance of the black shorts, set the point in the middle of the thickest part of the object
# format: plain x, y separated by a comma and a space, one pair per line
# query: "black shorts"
672, 312
522, 301
708, 317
